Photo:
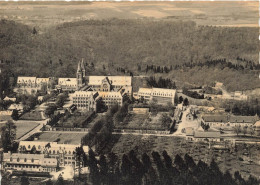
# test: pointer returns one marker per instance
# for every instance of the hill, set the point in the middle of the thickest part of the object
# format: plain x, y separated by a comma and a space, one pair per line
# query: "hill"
112, 43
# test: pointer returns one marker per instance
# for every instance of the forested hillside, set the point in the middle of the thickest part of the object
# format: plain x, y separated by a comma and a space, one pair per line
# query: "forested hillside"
109, 44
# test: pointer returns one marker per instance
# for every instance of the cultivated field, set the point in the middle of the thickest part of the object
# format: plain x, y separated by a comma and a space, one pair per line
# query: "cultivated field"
142, 121
65, 137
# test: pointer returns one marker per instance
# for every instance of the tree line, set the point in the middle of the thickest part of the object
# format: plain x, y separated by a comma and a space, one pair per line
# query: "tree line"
156, 169
160, 82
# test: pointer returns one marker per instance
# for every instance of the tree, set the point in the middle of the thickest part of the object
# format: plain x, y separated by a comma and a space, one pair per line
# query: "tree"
24, 180
103, 169
8, 135
50, 110
245, 130
186, 102
189, 161
167, 160
33, 150
237, 129
34, 31
146, 162
15, 114
180, 99
165, 120
49, 182
252, 131
60, 180
101, 106
93, 168
81, 158
179, 162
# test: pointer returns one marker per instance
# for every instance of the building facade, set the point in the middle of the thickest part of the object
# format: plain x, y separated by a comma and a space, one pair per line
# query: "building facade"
63, 153
29, 162
225, 120
160, 95
85, 100
67, 84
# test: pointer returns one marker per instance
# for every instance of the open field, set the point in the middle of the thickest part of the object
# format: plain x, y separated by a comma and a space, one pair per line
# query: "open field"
68, 138
232, 161
22, 127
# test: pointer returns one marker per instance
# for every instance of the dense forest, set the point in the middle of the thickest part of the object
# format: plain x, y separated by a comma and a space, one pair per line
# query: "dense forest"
184, 50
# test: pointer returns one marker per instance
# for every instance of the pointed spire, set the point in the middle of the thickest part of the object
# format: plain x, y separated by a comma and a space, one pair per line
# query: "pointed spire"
82, 64
79, 67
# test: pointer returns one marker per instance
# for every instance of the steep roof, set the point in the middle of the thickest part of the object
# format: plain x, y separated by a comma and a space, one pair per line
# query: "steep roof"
67, 81
242, 119
36, 159
206, 134
115, 80
112, 94
163, 92
215, 118
26, 79
84, 93
44, 80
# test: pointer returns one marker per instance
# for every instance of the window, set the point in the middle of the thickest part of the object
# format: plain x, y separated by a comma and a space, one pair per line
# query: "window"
32, 160
11, 159
18, 159
25, 159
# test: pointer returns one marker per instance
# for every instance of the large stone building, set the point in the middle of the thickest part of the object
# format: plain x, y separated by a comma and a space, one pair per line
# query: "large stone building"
91, 89
28, 162
30, 85
88, 100
111, 98
85, 100
67, 84
63, 153
160, 95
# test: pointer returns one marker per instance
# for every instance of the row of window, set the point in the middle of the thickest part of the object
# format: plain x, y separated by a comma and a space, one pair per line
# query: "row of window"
22, 166
18, 159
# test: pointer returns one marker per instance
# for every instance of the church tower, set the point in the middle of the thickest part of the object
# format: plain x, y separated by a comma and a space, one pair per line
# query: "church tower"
83, 68
79, 76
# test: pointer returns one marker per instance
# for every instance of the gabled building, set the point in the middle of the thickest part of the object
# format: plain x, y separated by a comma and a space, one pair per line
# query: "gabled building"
67, 84
24, 81
111, 83
85, 100
201, 135
28, 162
111, 98
63, 153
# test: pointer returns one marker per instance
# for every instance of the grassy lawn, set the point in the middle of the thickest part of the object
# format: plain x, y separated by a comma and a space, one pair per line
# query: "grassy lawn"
199, 151
22, 127
68, 138
32, 115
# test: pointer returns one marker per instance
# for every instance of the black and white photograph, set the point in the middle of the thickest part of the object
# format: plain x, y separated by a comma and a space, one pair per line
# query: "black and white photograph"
129, 93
